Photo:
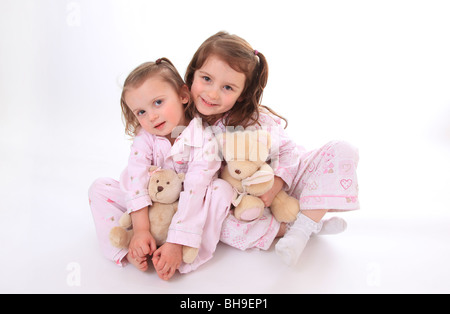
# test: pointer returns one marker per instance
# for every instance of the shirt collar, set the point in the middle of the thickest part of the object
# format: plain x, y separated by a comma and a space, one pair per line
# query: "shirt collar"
192, 135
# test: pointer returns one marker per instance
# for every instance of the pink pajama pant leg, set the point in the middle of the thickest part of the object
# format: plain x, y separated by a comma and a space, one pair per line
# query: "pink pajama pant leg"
217, 202
107, 203
328, 178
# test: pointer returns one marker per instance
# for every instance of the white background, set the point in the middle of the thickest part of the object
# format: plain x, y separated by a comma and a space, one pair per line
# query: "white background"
374, 73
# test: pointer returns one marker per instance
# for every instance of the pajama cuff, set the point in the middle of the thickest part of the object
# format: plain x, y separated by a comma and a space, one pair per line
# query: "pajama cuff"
186, 238
119, 258
138, 203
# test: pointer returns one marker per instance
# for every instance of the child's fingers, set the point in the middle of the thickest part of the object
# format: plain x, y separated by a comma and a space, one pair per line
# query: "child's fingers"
167, 275
152, 247
171, 272
160, 265
149, 247
166, 268
161, 273
157, 254
158, 261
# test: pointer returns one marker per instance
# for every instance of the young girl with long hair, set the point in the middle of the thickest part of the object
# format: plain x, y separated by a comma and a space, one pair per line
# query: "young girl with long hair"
227, 77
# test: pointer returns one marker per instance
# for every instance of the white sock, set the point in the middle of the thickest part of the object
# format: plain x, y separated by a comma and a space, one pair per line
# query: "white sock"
292, 244
334, 225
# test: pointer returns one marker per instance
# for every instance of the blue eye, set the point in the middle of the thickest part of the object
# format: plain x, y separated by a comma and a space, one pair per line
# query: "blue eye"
207, 78
228, 87
158, 102
140, 112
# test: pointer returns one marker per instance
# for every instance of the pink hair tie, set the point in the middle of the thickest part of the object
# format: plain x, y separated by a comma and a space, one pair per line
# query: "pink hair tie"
256, 52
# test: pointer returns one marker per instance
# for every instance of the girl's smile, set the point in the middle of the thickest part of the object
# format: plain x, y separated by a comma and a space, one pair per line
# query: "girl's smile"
207, 103
216, 87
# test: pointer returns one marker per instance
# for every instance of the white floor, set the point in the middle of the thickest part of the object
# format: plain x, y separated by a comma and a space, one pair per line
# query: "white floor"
386, 93
373, 256
393, 245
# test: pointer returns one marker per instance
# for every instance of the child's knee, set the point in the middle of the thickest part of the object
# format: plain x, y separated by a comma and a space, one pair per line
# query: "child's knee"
98, 187
343, 149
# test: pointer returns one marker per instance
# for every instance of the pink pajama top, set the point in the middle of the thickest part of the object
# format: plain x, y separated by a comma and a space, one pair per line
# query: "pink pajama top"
193, 153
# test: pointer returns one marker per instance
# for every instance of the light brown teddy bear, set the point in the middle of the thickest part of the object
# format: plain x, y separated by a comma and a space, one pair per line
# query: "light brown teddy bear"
246, 170
164, 189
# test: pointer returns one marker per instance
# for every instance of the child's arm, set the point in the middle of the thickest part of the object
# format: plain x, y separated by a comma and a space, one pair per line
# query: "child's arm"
142, 243
167, 259
268, 197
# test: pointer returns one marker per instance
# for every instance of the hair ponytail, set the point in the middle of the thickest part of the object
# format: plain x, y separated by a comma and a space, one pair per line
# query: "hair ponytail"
261, 77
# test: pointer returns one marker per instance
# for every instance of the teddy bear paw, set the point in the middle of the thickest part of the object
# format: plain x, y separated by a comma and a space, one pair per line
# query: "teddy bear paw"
189, 254
120, 237
251, 214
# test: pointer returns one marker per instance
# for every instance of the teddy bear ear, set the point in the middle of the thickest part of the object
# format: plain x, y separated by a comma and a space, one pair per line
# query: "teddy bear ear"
181, 176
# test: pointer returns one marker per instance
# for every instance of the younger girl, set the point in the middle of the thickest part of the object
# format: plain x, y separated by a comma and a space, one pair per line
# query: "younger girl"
153, 104
226, 77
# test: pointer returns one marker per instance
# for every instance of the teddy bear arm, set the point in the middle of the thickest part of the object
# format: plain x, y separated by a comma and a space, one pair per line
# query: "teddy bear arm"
120, 237
260, 188
189, 254
125, 220
284, 207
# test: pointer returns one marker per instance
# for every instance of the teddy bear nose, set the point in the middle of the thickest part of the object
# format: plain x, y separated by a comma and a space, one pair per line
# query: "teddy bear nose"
160, 188
237, 171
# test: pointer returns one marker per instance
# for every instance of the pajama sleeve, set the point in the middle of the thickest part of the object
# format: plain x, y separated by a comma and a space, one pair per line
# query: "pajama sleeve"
187, 224
284, 156
134, 179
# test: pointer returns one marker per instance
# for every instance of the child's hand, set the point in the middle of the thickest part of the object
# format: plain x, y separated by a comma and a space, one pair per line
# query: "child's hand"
268, 197
167, 259
142, 244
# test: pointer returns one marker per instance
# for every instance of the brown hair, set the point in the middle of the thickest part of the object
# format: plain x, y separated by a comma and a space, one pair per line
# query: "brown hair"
242, 58
162, 67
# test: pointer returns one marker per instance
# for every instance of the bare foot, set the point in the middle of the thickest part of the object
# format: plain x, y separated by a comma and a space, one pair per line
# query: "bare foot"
139, 262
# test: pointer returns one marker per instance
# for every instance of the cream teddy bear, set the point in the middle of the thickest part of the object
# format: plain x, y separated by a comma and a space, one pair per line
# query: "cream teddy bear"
164, 189
246, 170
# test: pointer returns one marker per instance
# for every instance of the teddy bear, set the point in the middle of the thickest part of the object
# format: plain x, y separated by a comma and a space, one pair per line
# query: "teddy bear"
246, 169
164, 190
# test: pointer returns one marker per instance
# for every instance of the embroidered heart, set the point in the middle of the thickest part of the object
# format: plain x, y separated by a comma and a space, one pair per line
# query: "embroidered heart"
346, 183
346, 167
